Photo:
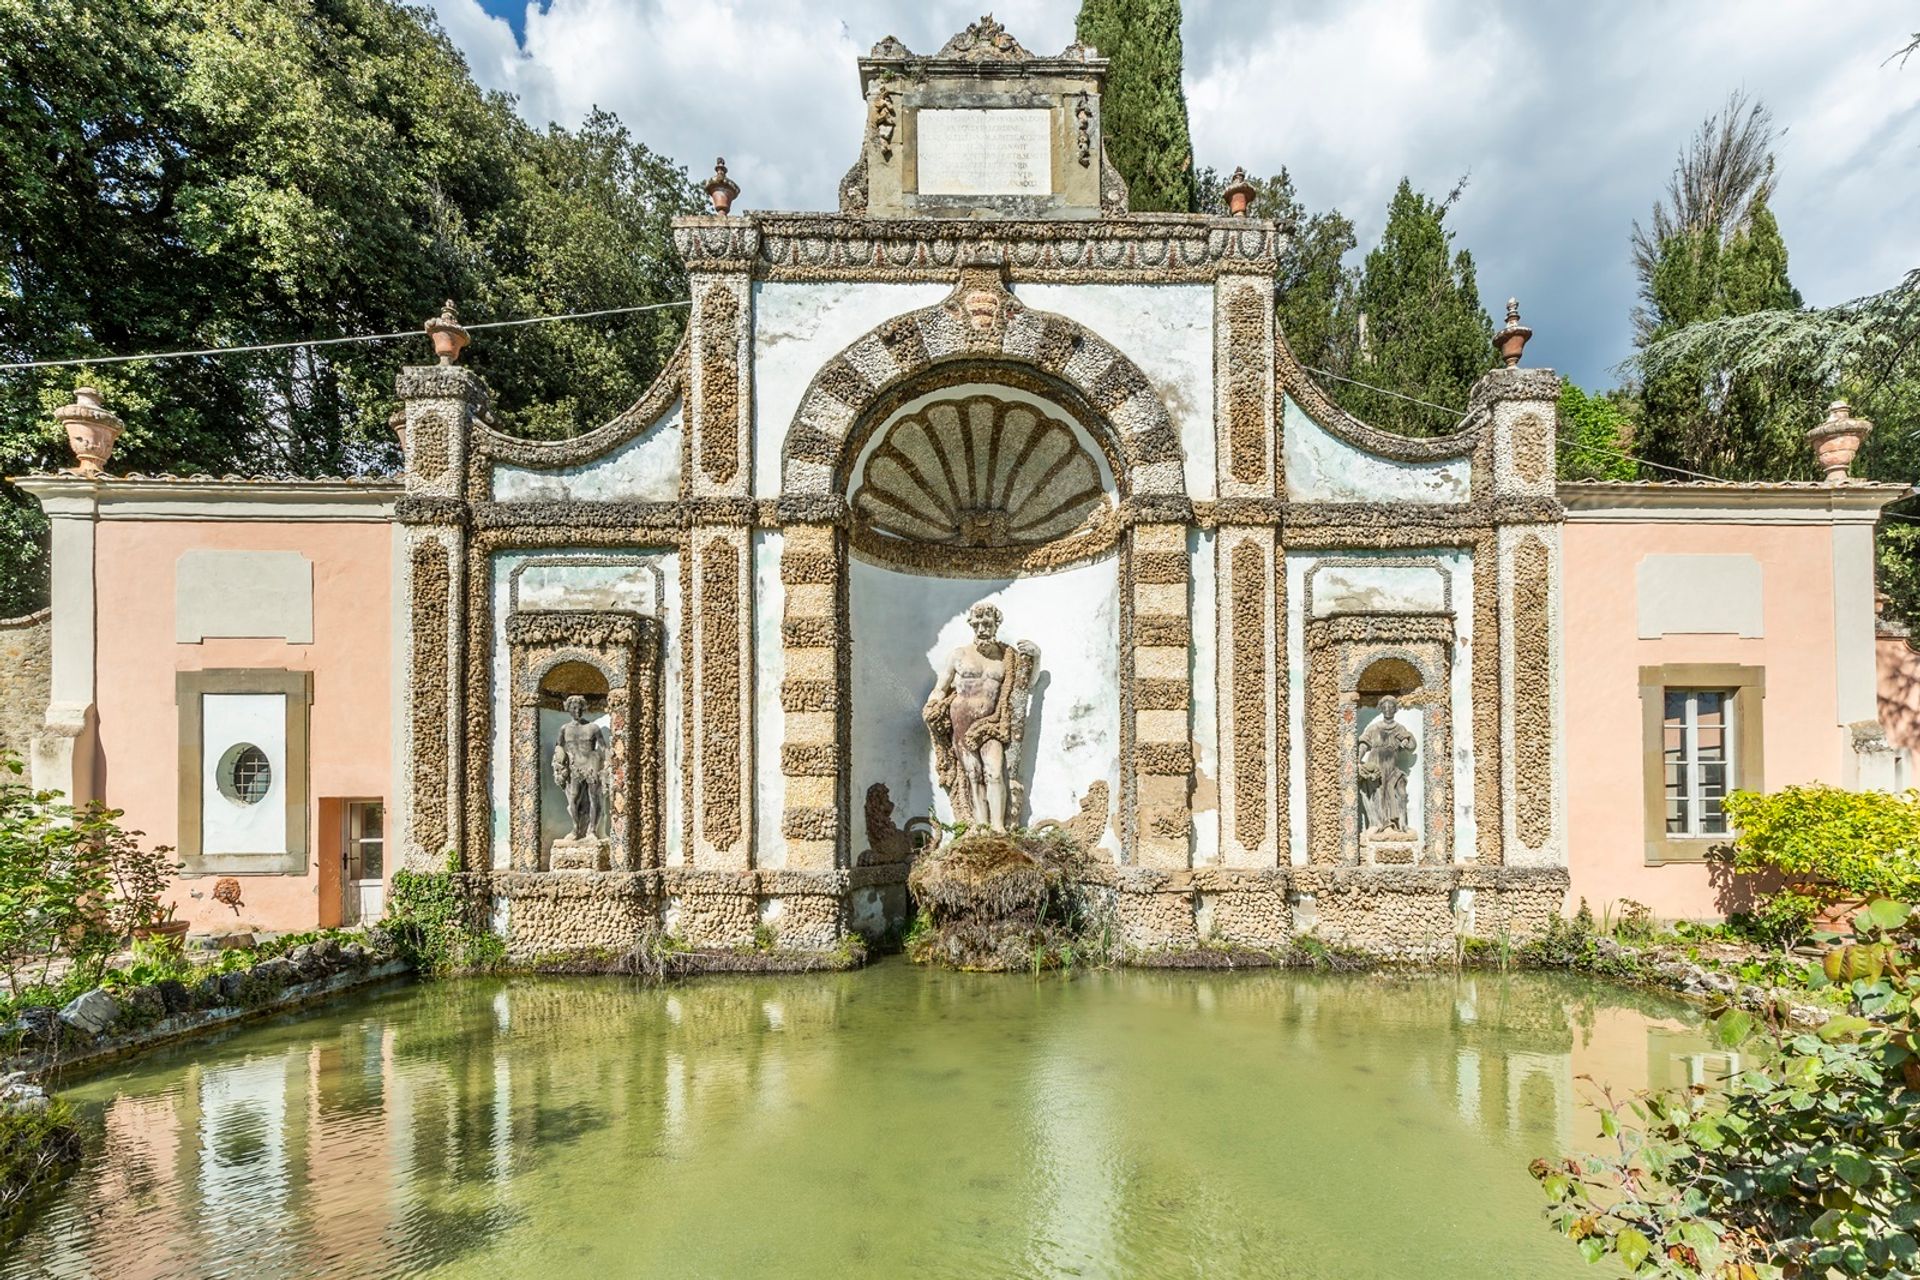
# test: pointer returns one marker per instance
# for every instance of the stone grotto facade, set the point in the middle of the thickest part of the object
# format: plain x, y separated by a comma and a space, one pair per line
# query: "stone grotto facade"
1283, 671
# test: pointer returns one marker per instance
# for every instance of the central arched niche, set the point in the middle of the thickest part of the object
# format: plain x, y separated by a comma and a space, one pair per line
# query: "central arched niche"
982, 479
998, 488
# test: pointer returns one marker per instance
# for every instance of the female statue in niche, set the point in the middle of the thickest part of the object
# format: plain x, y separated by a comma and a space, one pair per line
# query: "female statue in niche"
977, 717
1382, 770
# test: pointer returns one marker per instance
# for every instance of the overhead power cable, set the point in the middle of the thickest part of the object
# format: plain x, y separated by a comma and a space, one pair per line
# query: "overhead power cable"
329, 342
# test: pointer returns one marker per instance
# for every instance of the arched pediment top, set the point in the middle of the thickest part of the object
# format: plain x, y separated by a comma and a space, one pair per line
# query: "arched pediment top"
980, 323
654, 407
1291, 379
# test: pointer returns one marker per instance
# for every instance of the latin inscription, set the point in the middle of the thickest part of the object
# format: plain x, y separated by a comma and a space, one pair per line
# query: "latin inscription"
969, 151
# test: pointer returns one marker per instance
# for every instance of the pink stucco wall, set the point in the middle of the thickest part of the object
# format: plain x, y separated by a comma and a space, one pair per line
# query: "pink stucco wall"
1603, 655
1898, 669
349, 738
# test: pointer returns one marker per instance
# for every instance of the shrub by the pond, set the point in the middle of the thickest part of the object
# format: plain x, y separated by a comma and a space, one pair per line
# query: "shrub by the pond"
1827, 846
431, 917
1804, 1163
1001, 901
39, 1144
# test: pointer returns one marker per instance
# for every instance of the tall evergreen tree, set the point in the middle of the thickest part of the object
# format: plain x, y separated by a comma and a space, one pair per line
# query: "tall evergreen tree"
1144, 106
1415, 322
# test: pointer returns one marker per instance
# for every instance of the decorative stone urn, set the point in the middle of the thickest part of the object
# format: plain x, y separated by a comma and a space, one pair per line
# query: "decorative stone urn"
1239, 192
91, 430
1837, 440
1511, 341
449, 339
720, 188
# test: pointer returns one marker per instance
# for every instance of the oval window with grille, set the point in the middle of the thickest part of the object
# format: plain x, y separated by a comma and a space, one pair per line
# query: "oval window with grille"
245, 775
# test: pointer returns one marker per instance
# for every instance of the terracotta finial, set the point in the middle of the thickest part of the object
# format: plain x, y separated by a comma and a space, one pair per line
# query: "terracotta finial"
1836, 440
1512, 340
1240, 192
91, 430
449, 339
720, 188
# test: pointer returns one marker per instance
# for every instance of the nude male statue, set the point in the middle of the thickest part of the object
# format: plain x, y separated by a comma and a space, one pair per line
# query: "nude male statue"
977, 716
579, 769
1383, 782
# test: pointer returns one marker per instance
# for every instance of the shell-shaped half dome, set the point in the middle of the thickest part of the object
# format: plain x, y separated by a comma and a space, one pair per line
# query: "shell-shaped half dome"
980, 471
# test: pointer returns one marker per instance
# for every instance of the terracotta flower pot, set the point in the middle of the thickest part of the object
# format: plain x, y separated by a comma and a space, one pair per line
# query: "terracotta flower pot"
1239, 193
449, 339
170, 933
91, 430
721, 189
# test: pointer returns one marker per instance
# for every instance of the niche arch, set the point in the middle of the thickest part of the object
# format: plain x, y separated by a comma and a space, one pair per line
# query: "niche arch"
981, 340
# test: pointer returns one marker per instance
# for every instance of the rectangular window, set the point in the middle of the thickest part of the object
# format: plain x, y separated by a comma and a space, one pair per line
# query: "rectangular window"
1701, 740
1697, 754
366, 840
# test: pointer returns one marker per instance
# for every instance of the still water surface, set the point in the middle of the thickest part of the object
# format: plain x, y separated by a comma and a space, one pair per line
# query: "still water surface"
891, 1122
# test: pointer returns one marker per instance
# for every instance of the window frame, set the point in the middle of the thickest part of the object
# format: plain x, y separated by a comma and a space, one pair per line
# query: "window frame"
357, 840
1746, 690
189, 686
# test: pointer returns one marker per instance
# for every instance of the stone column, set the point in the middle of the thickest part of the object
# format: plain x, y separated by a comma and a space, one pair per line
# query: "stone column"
441, 404
813, 755
1162, 766
1250, 630
63, 753
717, 586
1523, 407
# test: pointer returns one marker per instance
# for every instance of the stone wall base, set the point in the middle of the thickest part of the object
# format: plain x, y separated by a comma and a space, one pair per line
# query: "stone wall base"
551, 913
1393, 913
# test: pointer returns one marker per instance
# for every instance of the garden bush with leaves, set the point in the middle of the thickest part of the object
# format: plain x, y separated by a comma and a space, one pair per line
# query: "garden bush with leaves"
73, 882
430, 916
1804, 1163
1828, 846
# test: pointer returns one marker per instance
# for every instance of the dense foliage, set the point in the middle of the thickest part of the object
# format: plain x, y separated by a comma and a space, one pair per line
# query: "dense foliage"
38, 1146
178, 174
1143, 107
1596, 433
1824, 845
430, 917
73, 883
1806, 1161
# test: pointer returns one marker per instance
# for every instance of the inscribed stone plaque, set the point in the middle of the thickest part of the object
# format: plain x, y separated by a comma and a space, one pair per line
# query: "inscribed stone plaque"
974, 151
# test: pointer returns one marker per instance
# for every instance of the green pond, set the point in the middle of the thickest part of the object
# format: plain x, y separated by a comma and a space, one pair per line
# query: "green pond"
894, 1121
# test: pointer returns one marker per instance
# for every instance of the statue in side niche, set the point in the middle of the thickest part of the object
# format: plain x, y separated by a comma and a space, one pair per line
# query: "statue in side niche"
977, 717
1386, 748
580, 761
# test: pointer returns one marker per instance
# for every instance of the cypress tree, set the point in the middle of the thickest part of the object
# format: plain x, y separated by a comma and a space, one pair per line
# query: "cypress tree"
1144, 106
1415, 322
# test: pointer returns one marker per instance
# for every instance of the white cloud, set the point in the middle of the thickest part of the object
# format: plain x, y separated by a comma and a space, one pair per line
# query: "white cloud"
1568, 117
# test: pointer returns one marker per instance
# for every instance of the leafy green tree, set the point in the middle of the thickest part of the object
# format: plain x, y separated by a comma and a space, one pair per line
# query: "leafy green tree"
1144, 106
1596, 435
177, 174
1311, 276
1415, 321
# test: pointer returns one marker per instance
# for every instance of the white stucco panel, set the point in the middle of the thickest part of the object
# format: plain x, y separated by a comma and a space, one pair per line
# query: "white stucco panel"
797, 328
645, 469
1364, 587
229, 720
1321, 467
905, 625
1698, 595
246, 594
1166, 329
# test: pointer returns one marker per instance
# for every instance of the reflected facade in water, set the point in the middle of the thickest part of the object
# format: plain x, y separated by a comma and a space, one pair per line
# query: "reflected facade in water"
894, 1121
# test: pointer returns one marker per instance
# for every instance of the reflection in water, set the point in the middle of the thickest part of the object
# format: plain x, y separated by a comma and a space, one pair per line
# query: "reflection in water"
896, 1120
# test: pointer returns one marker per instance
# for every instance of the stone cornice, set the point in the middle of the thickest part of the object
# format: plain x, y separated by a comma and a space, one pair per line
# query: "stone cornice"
1727, 503
1134, 248
209, 498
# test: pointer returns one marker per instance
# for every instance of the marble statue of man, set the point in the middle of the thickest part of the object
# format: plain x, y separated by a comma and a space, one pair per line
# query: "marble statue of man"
580, 760
1383, 777
977, 716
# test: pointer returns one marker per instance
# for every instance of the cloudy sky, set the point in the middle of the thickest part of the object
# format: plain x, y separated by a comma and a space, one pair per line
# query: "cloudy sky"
1568, 116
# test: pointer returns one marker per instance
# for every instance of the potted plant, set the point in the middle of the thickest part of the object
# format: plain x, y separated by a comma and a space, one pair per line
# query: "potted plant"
140, 876
164, 929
